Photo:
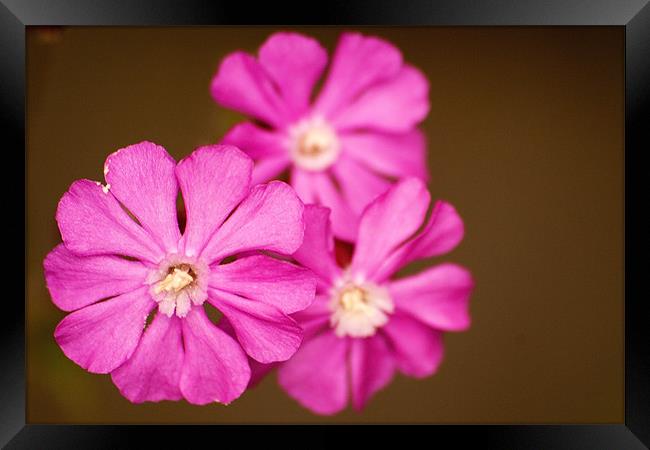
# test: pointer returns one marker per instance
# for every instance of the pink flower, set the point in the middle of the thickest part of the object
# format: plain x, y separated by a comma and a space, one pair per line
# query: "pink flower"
342, 147
363, 325
122, 243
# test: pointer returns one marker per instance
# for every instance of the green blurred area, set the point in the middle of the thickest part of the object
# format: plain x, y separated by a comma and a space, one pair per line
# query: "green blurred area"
525, 137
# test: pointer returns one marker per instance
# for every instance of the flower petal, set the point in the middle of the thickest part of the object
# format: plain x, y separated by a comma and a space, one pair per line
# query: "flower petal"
242, 84
270, 218
438, 296
442, 233
359, 62
153, 373
387, 222
141, 177
371, 368
316, 318
265, 332
213, 179
215, 367
256, 142
258, 370
360, 185
77, 281
302, 181
315, 252
92, 222
343, 219
288, 287
417, 348
396, 155
102, 336
268, 168
294, 62
316, 376
314, 326
396, 105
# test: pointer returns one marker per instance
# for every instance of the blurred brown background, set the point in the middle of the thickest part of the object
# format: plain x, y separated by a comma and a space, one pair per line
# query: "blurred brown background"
525, 138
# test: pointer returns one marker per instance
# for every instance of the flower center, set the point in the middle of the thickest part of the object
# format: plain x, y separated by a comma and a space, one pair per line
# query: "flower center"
176, 280
177, 284
359, 308
313, 144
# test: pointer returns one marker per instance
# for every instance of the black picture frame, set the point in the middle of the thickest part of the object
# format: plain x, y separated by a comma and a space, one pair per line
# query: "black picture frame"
634, 15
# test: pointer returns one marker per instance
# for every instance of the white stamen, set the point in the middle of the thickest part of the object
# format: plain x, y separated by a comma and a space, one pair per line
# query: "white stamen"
178, 283
313, 144
174, 281
359, 308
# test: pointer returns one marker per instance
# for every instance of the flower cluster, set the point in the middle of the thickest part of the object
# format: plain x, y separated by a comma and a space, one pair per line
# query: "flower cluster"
139, 285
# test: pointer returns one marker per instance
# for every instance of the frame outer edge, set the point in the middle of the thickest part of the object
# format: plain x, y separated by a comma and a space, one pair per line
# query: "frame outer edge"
12, 323
637, 142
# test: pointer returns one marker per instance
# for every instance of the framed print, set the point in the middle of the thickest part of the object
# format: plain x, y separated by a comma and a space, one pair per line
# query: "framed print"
419, 217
